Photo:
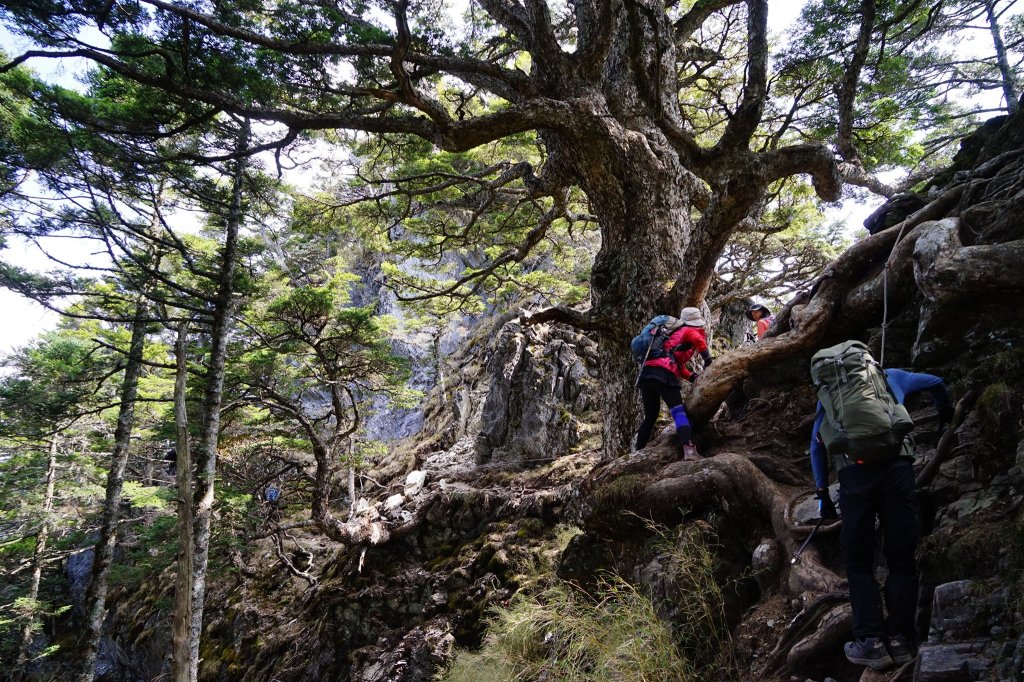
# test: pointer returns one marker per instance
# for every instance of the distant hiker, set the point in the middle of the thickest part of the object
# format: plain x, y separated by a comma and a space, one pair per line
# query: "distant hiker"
272, 496
762, 317
171, 463
861, 425
737, 399
671, 345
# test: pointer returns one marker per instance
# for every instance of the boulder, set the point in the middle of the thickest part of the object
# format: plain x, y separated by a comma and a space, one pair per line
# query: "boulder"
414, 482
537, 383
894, 211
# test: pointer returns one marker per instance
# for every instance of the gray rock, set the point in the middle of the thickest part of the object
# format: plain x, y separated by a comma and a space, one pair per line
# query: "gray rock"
951, 663
765, 563
953, 609
959, 469
414, 482
535, 384
78, 571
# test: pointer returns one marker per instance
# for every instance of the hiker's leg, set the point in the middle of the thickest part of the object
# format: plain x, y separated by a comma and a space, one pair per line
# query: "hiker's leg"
901, 531
673, 398
858, 506
650, 397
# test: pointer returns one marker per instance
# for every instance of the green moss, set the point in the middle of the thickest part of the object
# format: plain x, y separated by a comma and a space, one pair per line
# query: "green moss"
1007, 366
619, 492
993, 405
531, 528
968, 554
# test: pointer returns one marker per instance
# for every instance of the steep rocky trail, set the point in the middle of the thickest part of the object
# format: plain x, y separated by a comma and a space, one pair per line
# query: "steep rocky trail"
504, 487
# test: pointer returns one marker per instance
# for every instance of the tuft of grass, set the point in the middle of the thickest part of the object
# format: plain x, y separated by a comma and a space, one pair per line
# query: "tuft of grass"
1007, 366
701, 627
564, 634
553, 631
620, 492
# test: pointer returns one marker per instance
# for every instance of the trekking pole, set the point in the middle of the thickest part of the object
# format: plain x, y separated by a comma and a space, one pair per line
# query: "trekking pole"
642, 363
796, 557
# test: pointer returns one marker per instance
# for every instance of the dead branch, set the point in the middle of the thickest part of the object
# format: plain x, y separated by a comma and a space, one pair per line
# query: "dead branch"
283, 558
944, 448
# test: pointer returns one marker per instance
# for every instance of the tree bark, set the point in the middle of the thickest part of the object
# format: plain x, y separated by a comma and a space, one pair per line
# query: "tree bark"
103, 557
1009, 86
37, 554
206, 453
352, 478
182, 669
645, 232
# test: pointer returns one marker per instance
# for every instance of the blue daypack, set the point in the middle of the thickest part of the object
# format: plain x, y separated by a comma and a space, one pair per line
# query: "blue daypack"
649, 344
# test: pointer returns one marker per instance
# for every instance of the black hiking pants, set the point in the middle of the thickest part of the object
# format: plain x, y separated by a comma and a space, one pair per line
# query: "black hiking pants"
884, 490
652, 393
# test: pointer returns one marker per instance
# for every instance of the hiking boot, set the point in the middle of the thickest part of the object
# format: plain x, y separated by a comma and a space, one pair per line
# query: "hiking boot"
900, 650
868, 651
690, 453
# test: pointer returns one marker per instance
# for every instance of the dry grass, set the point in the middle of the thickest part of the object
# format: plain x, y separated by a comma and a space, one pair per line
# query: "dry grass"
557, 632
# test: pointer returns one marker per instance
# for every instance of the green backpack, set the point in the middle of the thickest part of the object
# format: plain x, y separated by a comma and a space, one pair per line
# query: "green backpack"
862, 418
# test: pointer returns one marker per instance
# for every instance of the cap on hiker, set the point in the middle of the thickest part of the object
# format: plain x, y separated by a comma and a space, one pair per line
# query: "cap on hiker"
691, 317
757, 306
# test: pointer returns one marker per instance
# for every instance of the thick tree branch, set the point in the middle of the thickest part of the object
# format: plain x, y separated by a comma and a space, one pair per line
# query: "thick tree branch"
813, 159
516, 79
697, 15
847, 91
755, 90
595, 20
459, 136
584, 320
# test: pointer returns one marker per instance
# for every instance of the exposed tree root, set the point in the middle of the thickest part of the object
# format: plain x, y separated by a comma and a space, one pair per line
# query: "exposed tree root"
283, 558
618, 495
943, 449
798, 528
848, 292
798, 629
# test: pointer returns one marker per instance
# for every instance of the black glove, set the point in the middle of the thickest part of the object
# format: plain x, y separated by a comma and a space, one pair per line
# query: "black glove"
826, 509
693, 377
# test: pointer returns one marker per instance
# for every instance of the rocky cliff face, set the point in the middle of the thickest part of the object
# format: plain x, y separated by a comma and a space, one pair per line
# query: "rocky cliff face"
506, 455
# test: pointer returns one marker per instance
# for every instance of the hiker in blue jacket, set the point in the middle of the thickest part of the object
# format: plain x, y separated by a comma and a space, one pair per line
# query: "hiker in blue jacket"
884, 489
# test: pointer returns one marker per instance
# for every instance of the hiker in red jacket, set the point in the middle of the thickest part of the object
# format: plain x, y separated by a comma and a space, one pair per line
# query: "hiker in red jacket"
762, 317
659, 379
